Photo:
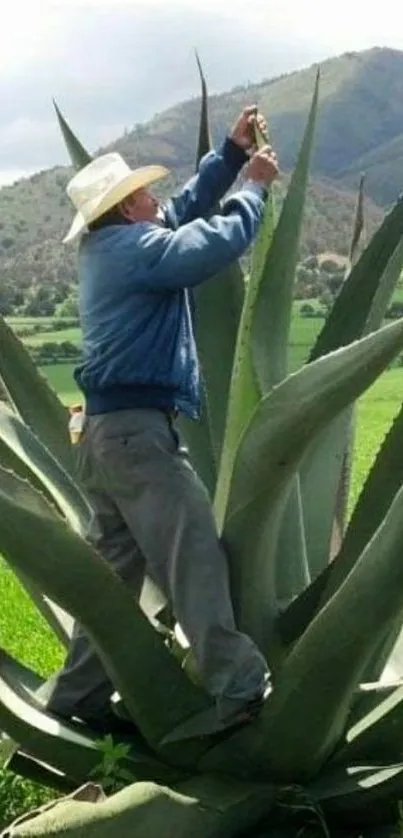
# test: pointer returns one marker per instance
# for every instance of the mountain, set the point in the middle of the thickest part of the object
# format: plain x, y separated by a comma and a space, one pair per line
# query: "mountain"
360, 126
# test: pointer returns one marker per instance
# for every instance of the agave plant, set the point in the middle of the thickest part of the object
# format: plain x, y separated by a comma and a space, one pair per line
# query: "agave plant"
273, 449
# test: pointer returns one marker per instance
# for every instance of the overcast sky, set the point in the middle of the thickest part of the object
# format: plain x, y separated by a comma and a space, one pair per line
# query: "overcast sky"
114, 63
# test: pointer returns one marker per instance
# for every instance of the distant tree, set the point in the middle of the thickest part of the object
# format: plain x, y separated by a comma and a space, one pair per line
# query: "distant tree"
394, 311
307, 310
69, 308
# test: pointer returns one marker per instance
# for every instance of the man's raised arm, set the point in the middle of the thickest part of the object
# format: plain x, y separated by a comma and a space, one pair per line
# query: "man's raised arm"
217, 172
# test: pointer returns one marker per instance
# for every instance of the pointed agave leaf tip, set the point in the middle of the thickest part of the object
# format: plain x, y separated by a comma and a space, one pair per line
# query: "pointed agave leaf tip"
204, 141
79, 155
200, 68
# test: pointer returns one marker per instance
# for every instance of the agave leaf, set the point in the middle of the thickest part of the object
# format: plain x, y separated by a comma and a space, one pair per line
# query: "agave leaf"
218, 306
378, 735
381, 486
391, 667
359, 614
360, 789
292, 566
78, 154
349, 315
273, 306
368, 289
66, 568
204, 143
22, 443
244, 393
218, 309
261, 354
32, 397
69, 748
293, 620
270, 454
325, 510
333, 457
203, 808
28, 679
38, 772
358, 222
385, 290
35, 461
384, 480
370, 695
48, 740
321, 475
57, 618
36, 691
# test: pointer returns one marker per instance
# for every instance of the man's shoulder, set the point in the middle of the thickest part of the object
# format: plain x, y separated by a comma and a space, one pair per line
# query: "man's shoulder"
119, 236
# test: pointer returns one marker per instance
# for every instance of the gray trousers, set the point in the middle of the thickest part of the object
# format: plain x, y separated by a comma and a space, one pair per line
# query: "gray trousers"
153, 513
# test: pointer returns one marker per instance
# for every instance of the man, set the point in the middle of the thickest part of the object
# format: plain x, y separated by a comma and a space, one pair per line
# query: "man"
137, 265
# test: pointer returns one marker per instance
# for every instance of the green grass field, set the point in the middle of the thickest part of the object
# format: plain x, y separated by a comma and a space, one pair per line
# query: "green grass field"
24, 633
71, 335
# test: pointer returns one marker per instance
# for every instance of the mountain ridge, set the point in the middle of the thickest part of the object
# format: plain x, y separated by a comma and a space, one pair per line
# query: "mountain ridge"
360, 122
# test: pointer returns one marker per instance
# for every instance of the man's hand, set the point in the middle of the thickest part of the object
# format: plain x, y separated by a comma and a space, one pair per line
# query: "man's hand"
243, 133
263, 166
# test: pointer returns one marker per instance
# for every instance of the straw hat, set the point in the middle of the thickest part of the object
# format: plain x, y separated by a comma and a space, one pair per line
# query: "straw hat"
101, 184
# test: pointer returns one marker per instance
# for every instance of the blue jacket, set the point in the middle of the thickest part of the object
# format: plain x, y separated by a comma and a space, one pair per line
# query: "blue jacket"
135, 286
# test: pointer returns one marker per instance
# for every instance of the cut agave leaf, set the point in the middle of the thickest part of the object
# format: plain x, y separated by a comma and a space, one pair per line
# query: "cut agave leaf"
32, 397
66, 568
269, 456
79, 156
203, 808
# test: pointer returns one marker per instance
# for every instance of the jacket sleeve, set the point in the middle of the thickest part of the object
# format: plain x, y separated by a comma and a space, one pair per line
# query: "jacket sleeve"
200, 196
195, 252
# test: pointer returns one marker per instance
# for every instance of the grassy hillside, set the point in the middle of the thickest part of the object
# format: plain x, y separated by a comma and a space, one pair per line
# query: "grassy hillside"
384, 168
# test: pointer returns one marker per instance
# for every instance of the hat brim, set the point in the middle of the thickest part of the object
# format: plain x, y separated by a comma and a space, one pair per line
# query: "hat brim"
139, 179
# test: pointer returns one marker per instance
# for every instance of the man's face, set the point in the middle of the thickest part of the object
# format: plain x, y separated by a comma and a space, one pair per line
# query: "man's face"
140, 206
